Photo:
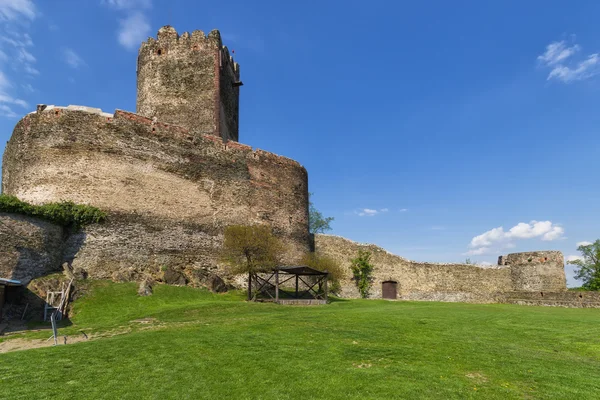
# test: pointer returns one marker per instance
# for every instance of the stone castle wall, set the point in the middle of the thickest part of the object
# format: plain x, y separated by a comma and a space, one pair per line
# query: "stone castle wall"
169, 193
447, 282
188, 81
29, 247
537, 271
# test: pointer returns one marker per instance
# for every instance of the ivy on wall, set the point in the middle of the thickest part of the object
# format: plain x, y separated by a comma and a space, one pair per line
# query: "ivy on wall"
65, 213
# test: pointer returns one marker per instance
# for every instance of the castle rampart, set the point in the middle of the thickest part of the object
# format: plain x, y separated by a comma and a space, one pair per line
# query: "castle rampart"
169, 192
448, 282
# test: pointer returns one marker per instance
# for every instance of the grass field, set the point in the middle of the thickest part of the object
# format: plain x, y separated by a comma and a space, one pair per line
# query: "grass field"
200, 345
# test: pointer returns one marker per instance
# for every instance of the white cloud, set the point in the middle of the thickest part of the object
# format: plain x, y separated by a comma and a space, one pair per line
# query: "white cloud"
5, 98
501, 239
128, 4
559, 57
11, 10
403, 209
133, 30
6, 111
477, 252
584, 243
369, 212
584, 70
574, 258
557, 52
25, 57
72, 58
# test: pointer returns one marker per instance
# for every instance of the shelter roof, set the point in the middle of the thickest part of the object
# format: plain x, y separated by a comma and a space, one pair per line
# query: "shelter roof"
300, 270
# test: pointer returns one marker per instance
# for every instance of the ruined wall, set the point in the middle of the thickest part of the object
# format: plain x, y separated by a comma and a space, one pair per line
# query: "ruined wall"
537, 271
569, 299
418, 281
169, 193
188, 81
29, 247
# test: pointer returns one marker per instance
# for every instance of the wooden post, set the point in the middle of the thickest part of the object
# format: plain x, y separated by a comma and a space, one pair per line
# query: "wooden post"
326, 291
296, 286
276, 286
249, 286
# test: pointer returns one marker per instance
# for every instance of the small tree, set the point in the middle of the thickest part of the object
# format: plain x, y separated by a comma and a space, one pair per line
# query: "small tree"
324, 263
251, 249
589, 266
362, 270
316, 222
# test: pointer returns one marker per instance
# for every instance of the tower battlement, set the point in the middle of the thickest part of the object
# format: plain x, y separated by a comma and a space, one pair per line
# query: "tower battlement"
190, 80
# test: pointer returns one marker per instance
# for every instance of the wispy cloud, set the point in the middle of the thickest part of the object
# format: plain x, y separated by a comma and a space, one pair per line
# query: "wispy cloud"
72, 58
574, 258
497, 238
584, 243
559, 58
128, 4
11, 10
370, 212
403, 210
557, 52
16, 46
135, 27
438, 228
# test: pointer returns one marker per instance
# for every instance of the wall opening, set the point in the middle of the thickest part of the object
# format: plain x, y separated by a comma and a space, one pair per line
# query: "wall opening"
389, 290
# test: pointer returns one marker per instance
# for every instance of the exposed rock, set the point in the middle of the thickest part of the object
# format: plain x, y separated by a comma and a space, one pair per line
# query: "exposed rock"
145, 288
173, 277
209, 280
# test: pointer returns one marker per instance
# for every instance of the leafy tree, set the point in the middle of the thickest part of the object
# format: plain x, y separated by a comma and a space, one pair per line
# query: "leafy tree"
324, 263
251, 249
316, 222
362, 269
589, 266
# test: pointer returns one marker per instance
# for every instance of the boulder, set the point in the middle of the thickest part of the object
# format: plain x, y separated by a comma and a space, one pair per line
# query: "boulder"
145, 288
172, 277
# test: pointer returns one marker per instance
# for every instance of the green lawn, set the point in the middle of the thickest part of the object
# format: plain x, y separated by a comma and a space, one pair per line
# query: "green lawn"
218, 347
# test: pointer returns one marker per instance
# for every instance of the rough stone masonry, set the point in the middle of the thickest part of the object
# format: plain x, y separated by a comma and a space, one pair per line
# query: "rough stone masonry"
173, 175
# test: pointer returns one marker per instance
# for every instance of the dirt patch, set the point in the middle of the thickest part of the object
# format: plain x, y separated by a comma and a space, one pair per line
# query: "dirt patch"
26, 344
477, 377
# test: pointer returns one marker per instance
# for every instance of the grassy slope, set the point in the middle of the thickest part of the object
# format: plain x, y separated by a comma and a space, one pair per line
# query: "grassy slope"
216, 346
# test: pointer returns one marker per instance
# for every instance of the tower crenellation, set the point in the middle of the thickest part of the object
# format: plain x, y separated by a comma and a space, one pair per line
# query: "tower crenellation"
190, 80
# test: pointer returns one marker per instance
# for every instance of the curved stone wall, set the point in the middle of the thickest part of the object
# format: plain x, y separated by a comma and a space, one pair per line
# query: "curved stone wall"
169, 194
415, 280
534, 271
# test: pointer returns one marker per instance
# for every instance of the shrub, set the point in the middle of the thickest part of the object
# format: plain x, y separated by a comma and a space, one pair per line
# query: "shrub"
362, 269
65, 213
324, 263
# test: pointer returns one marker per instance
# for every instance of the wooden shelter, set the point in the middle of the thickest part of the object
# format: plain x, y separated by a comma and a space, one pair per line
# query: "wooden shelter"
309, 286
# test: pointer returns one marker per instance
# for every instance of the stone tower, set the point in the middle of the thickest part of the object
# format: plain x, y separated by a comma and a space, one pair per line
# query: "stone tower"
190, 81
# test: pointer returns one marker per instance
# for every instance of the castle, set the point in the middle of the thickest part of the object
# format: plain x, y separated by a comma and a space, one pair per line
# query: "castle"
172, 175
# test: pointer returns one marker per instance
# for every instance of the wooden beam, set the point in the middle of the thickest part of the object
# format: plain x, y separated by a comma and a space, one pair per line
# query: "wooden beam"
276, 286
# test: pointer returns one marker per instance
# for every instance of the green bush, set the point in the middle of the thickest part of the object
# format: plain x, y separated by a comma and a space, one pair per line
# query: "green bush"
362, 269
65, 213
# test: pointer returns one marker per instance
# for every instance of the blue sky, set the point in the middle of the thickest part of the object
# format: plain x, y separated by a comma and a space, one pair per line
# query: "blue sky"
437, 130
